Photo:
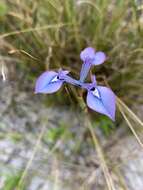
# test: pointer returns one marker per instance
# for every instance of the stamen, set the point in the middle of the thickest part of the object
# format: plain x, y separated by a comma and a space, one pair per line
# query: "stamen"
55, 79
92, 89
95, 92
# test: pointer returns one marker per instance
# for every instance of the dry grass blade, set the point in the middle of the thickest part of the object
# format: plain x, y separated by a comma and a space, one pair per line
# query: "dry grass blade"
46, 27
98, 148
129, 112
130, 125
32, 157
121, 179
3, 72
56, 174
22, 51
53, 4
103, 164
90, 3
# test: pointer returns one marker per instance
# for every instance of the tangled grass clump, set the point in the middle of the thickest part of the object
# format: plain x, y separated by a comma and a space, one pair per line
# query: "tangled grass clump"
50, 34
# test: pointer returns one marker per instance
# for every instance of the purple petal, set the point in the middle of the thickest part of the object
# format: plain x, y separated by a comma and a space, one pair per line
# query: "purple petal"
52, 87
105, 104
63, 72
84, 70
108, 99
87, 86
99, 58
48, 83
87, 53
70, 80
93, 79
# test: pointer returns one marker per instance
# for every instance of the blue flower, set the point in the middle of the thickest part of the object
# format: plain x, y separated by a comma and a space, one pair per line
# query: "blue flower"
100, 99
50, 81
89, 58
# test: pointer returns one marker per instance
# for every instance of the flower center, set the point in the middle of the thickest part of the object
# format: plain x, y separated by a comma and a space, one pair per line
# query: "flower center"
55, 79
95, 92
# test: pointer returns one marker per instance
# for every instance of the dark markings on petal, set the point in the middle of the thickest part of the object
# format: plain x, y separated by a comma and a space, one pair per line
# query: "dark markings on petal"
92, 89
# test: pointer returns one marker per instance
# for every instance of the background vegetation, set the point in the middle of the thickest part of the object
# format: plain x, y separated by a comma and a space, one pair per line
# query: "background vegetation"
49, 34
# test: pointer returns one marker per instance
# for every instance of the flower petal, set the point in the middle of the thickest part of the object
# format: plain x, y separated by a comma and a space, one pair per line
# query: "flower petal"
62, 72
108, 100
52, 87
105, 104
44, 83
93, 79
84, 71
87, 53
72, 81
99, 58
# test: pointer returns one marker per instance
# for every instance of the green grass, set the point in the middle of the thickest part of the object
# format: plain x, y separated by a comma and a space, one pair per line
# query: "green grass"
49, 34
54, 32
11, 181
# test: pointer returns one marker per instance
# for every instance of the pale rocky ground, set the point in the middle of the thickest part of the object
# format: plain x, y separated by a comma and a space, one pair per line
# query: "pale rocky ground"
22, 115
